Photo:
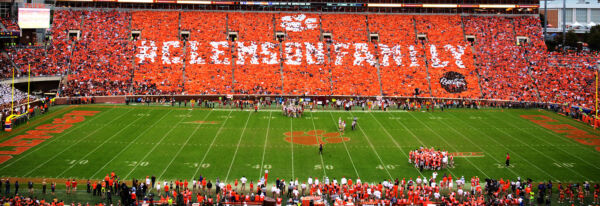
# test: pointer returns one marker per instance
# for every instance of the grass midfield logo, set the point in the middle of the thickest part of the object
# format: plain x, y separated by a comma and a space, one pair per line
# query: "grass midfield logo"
314, 137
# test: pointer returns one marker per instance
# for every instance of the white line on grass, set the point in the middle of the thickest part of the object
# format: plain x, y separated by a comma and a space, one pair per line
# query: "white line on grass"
155, 146
447, 143
184, 144
417, 138
99, 146
375, 151
238, 146
411, 133
393, 140
130, 143
71, 145
565, 140
262, 162
292, 144
519, 155
55, 138
534, 149
325, 111
211, 144
347, 152
320, 155
492, 156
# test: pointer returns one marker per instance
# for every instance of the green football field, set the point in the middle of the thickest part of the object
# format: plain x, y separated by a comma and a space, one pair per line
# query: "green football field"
181, 143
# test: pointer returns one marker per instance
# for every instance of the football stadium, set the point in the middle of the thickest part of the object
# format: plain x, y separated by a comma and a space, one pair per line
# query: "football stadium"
324, 102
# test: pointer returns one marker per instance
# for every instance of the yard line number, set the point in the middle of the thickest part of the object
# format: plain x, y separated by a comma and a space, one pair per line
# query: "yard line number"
136, 163
257, 166
327, 167
196, 165
500, 166
77, 162
564, 164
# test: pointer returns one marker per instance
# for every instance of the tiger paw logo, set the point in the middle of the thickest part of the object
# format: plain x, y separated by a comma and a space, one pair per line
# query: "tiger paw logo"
314, 137
298, 23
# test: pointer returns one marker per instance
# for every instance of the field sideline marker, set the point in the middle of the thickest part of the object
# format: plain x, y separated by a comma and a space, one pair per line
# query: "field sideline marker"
105, 141
130, 143
238, 146
155, 146
182, 146
211, 144
347, 152
373, 148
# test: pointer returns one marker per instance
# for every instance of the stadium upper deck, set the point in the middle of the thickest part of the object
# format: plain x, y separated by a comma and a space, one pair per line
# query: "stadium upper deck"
377, 6
193, 52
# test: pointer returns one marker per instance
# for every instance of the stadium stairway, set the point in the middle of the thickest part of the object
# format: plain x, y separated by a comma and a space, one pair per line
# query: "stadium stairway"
377, 65
185, 45
281, 68
475, 55
328, 47
529, 72
6, 56
132, 60
424, 56
3, 27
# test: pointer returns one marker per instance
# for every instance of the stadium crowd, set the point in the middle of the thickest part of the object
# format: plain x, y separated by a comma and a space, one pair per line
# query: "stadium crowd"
412, 55
10, 23
439, 189
7, 96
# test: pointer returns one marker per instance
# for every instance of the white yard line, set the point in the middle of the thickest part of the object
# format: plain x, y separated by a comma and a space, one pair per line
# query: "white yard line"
393, 140
411, 133
71, 145
347, 152
532, 148
375, 151
418, 139
55, 138
292, 144
99, 146
238, 146
564, 140
480, 148
211, 145
320, 155
184, 144
155, 146
129, 145
326, 111
262, 162
543, 171
447, 143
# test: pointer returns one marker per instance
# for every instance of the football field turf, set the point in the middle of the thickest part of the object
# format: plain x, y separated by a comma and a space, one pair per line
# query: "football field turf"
181, 143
